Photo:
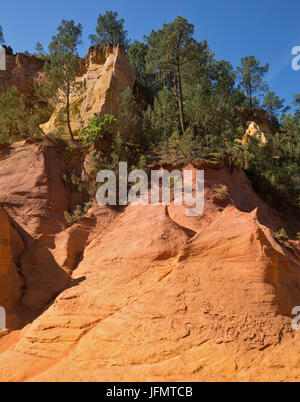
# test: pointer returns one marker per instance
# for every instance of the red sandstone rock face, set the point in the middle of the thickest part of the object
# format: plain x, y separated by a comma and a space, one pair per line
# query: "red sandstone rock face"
31, 188
21, 71
33, 194
149, 294
10, 280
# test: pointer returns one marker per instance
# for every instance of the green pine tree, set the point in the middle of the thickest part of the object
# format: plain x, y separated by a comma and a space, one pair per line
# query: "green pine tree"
130, 120
250, 75
63, 66
274, 105
111, 30
137, 53
13, 114
171, 49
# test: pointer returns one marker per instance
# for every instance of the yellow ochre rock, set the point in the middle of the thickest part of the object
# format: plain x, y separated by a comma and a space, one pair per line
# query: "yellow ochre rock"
254, 132
10, 282
107, 74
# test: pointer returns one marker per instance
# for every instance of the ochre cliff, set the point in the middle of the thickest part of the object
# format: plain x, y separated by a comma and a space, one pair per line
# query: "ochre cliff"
258, 116
107, 74
31, 187
21, 71
10, 280
105, 70
146, 293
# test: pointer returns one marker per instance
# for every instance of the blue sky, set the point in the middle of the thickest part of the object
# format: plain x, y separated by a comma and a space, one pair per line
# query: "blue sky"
268, 29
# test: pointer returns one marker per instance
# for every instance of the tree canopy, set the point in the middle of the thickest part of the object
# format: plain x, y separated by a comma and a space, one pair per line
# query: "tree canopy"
111, 30
137, 53
170, 50
67, 39
250, 74
185, 103
63, 65
273, 104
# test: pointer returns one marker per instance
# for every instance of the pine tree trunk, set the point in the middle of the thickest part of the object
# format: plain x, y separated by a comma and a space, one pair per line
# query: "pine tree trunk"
180, 98
68, 116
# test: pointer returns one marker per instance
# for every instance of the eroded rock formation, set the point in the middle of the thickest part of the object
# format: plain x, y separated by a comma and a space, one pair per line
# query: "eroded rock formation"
107, 74
105, 70
254, 132
148, 293
21, 71
31, 187
144, 292
10, 280
259, 117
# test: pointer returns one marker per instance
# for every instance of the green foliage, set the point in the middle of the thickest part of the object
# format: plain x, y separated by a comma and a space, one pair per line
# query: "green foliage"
142, 163
19, 118
198, 91
130, 118
77, 213
40, 51
184, 107
39, 48
99, 128
74, 182
163, 120
212, 115
273, 169
250, 75
63, 66
170, 50
12, 117
296, 103
296, 100
182, 147
137, 53
281, 235
67, 40
123, 151
61, 72
8, 49
240, 99
221, 193
111, 30
273, 104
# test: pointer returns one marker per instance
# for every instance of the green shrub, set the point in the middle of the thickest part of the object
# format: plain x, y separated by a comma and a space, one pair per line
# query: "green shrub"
221, 193
99, 128
74, 181
77, 213
281, 235
182, 147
